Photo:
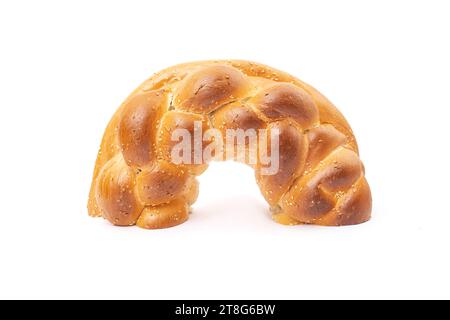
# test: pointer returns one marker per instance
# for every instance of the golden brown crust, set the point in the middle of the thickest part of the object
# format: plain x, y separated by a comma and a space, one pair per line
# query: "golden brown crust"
236, 115
115, 193
174, 120
316, 193
164, 216
293, 147
320, 179
162, 184
209, 88
322, 141
137, 134
285, 100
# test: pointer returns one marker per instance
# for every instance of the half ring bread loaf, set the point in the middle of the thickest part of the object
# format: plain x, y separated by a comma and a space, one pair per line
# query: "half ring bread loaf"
320, 178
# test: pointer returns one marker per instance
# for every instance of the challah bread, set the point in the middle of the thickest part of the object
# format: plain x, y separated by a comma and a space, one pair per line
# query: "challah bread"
320, 179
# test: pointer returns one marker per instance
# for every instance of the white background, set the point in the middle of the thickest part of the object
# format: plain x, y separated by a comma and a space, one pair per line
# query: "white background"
65, 66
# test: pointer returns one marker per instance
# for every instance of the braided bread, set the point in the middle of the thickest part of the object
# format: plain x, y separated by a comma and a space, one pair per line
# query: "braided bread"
320, 179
